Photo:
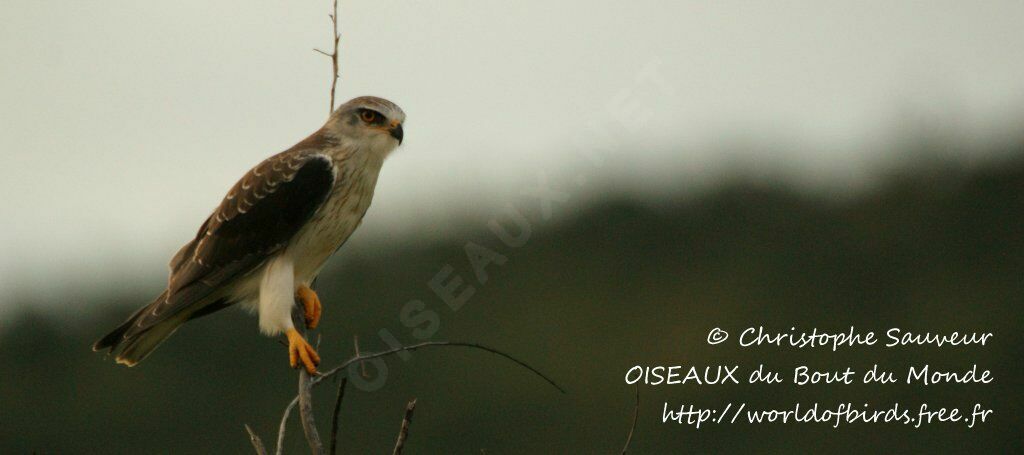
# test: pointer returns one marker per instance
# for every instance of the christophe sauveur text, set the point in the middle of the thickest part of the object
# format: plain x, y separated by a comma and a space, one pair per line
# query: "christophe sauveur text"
842, 412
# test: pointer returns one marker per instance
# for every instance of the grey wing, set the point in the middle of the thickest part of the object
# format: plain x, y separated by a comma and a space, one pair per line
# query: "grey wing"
258, 217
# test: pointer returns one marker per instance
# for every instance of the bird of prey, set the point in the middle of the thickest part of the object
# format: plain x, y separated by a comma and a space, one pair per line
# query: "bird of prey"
267, 241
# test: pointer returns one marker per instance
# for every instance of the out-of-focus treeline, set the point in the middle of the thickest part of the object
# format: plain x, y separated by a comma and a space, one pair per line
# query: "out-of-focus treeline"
932, 248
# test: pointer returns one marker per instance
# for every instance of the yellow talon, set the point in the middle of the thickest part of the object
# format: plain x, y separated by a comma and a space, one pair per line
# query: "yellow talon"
300, 350
310, 304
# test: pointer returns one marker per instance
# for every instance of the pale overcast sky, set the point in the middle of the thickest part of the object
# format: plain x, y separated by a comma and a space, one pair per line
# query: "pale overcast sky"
124, 122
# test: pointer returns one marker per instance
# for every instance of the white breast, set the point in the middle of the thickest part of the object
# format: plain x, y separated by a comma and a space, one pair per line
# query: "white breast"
340, 215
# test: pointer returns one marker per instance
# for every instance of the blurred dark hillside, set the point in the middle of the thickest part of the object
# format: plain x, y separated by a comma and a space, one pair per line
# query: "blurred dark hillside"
934, 248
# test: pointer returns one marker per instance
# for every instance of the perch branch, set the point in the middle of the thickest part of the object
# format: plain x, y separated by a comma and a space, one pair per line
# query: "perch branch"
403, 432
337, 409
257, 443
306, 413
305, 395
636, 414
324, 375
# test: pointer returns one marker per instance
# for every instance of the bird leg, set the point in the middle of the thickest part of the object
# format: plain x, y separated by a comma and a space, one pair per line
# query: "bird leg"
310, 304
300, 350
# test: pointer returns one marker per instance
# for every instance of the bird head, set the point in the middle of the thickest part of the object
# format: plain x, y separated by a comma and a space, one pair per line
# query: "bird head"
369, 121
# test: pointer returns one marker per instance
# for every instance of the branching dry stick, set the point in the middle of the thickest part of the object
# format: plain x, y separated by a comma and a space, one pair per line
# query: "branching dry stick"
333, 56
257, 443
636, 415
425, 344
403, 432
337, 410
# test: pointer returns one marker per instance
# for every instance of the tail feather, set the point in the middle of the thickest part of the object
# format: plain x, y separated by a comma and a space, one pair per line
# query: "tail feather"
144, 331
137, 347
134, 338
111, 340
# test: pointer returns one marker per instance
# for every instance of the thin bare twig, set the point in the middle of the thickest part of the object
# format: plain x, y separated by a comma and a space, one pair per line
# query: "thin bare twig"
337, 409
257, 443
362, 365
333, 56
636, 415
279, 450
403, 432
425, 344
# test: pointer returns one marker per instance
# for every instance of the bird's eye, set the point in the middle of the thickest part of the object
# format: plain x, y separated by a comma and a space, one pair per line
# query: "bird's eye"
368, 116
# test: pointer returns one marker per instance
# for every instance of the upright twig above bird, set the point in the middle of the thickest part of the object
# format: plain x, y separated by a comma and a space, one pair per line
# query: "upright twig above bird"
333, 56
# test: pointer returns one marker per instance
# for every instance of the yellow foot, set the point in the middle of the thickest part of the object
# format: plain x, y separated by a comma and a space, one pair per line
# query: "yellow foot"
300, 350
310, 304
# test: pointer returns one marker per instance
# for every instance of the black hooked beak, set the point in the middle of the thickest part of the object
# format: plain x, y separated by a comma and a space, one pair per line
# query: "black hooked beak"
397, 133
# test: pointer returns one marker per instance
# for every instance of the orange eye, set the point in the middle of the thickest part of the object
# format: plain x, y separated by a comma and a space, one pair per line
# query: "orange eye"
368, 116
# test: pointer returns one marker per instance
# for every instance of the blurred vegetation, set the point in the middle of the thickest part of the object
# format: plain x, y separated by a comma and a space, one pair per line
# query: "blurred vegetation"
933, 248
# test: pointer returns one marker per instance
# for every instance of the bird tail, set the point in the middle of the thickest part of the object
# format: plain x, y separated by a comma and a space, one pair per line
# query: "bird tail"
135, 342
